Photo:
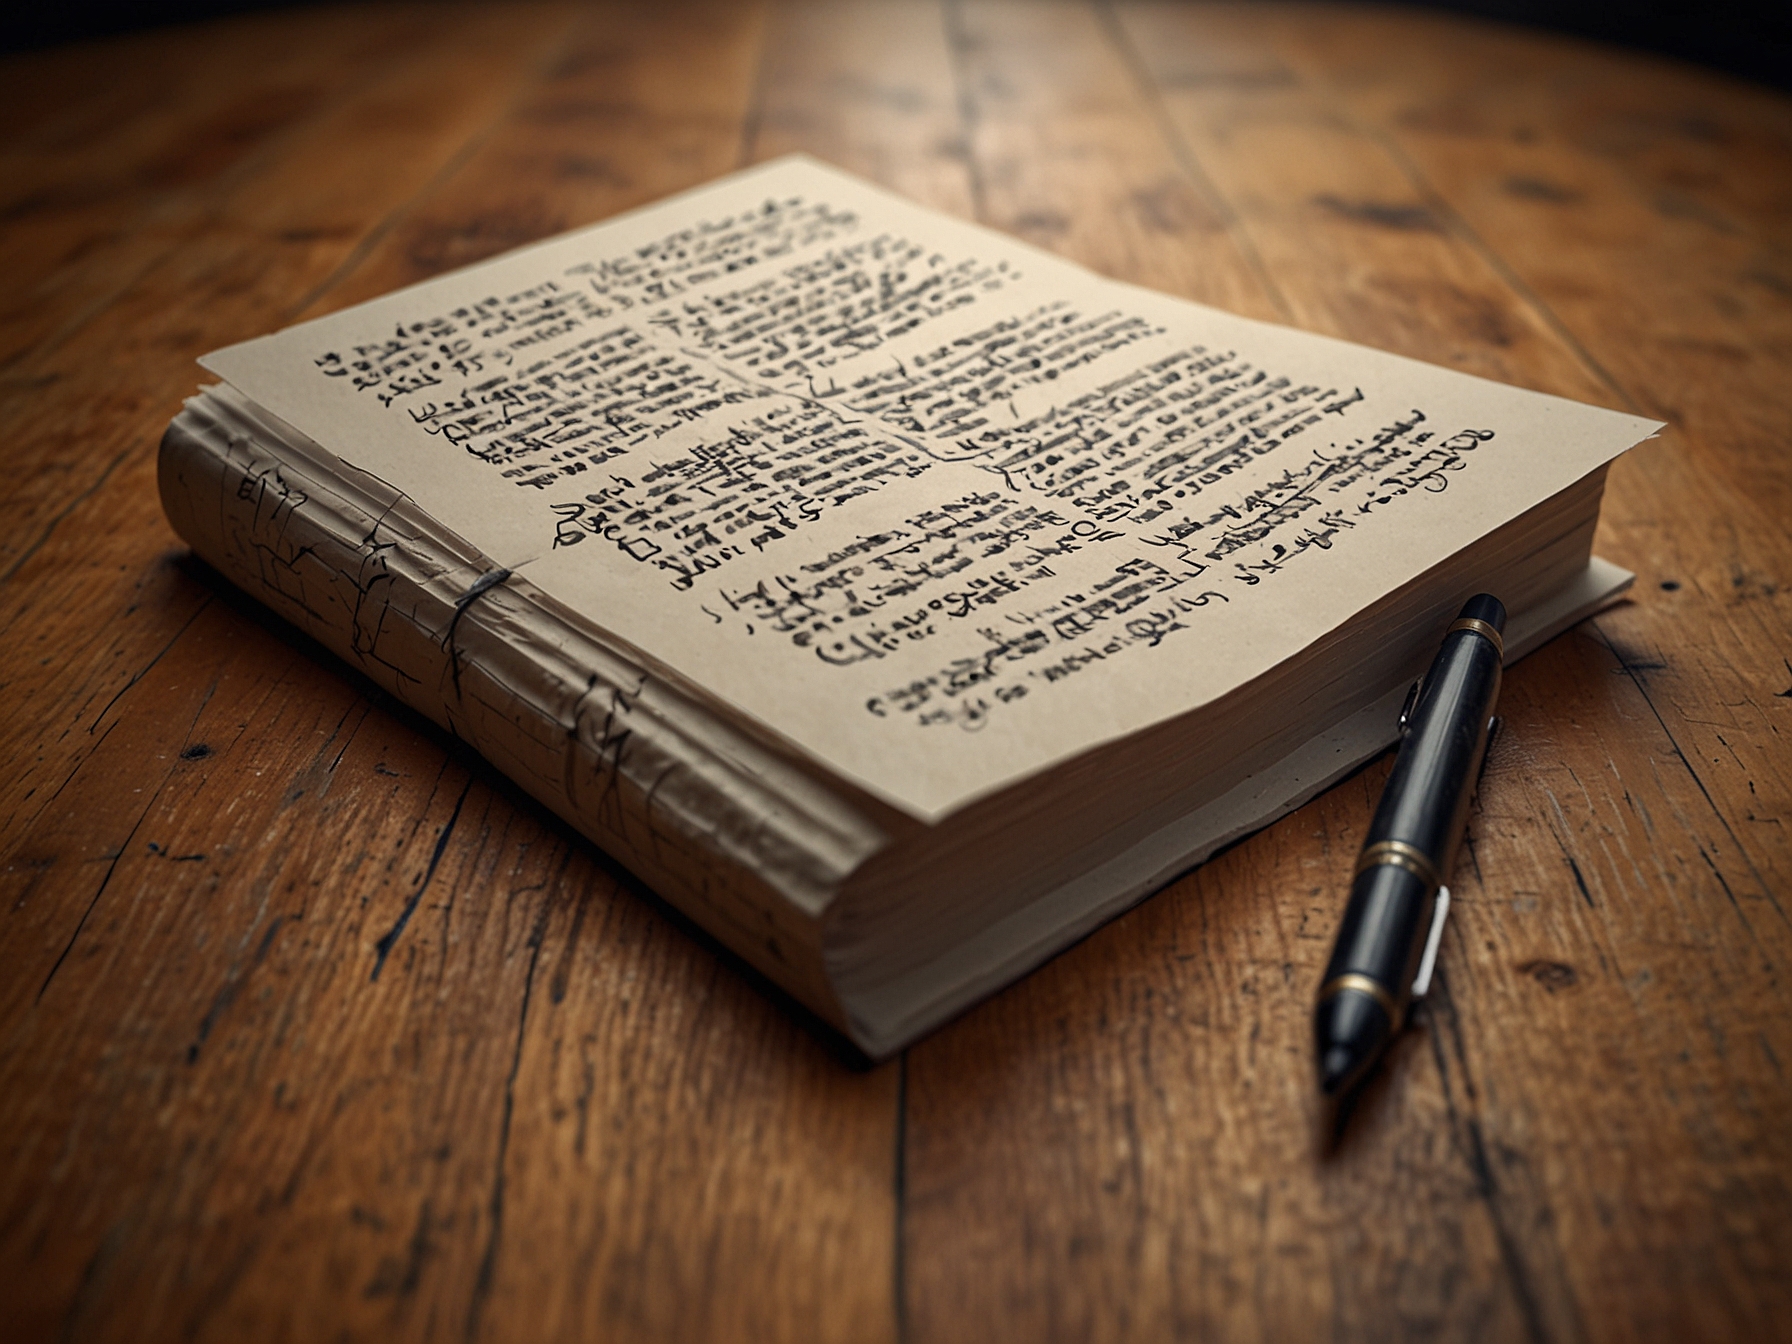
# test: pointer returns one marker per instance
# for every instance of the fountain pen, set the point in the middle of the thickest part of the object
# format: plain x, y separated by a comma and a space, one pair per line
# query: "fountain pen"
1387, 944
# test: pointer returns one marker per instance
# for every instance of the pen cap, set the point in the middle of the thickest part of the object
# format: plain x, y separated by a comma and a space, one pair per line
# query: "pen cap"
1485, 607
1418, 824
1425, 802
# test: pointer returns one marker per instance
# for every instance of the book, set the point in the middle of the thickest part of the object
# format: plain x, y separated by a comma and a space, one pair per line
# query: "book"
897, 600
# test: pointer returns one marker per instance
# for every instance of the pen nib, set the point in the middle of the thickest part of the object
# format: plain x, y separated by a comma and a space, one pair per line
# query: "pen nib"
1335, 1069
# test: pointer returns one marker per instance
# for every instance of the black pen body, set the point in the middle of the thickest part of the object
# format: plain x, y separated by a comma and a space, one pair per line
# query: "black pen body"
1409, 849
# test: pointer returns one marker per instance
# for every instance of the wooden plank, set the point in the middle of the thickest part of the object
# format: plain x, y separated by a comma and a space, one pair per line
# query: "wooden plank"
540, 1064
1704, 645
1353, 247
545, 1073
1171, 1182
1160, 1069
1697, 146
83, 407
1662, 487
1704, 305
868, 86
1686, 336
68, 96
1616, 1035
83, 532
1065, 156
1571, 1143
89, 210
1701, 863
83, 858
647, 102
1701, 469
773, 1215
1493, 1189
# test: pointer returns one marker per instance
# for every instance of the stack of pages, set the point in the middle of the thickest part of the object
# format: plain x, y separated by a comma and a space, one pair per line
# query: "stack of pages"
897, 600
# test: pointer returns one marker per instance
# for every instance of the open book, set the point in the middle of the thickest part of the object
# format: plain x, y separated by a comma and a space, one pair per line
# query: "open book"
896, 599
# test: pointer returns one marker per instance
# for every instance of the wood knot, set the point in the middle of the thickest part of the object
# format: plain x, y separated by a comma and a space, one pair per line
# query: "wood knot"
1552, 975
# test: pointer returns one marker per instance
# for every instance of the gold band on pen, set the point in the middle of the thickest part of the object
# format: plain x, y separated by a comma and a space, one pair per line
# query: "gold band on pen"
1362, 984
1481, 627
1401, 855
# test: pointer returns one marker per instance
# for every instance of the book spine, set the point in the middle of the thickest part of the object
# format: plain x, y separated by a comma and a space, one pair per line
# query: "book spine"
738, 840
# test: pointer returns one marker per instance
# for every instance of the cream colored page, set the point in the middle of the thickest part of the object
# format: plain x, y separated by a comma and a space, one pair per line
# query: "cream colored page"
935, 506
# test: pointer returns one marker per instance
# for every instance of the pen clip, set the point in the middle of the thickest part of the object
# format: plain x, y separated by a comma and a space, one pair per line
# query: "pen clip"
1493, 732
1412, 696
1421, 985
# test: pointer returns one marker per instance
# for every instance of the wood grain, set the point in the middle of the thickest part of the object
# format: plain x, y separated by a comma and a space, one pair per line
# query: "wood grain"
311, 1025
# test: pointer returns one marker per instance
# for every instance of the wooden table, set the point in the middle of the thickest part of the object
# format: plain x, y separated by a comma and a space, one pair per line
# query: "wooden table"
558, 1114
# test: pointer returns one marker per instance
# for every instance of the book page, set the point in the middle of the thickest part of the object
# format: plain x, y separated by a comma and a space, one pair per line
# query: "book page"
935, 506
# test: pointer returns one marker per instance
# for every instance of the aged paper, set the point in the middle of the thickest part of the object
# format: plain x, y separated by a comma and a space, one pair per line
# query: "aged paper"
937, 507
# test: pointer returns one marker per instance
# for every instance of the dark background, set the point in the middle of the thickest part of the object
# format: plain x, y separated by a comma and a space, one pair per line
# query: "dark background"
1750, 38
